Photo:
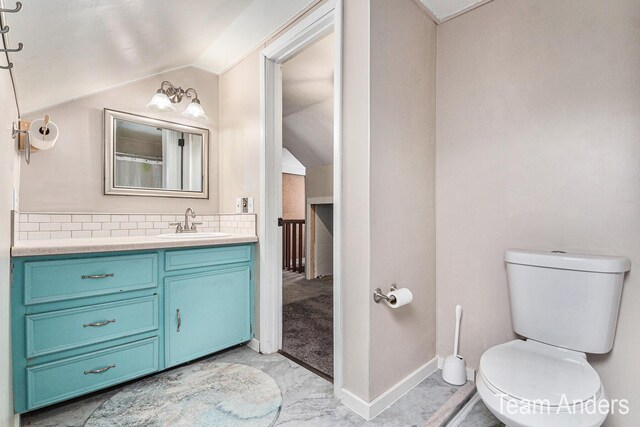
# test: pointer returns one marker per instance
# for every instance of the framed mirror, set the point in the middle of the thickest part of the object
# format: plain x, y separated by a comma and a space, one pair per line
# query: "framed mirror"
151, 157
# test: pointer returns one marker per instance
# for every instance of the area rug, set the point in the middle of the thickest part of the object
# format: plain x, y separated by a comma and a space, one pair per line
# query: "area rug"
210, 394
307, 332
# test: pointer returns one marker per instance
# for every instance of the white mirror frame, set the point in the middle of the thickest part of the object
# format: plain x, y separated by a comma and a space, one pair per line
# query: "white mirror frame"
110, 117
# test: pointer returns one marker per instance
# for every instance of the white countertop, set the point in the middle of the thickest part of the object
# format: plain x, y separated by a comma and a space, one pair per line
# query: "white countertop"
114, 244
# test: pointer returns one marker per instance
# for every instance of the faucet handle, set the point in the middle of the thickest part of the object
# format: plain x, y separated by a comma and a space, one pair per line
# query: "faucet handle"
193, 225
178, 226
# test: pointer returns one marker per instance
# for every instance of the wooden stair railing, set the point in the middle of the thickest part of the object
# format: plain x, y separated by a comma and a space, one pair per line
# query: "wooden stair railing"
293, 245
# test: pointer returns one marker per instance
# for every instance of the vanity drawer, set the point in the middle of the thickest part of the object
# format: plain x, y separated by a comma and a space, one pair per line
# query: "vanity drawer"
207, 257
49, 281
66, 329
57, 381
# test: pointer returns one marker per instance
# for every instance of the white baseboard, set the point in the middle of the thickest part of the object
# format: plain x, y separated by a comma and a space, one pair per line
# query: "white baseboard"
471, 373
254, 345
370, 410
462, 413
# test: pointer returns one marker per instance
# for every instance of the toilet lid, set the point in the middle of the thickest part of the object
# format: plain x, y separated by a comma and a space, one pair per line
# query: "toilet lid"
536, 372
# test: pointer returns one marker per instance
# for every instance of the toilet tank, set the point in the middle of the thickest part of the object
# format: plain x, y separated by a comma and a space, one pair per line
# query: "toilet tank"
566, 300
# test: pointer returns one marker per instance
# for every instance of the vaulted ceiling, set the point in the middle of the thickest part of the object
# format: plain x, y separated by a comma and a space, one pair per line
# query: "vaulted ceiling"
307, 104
76, 47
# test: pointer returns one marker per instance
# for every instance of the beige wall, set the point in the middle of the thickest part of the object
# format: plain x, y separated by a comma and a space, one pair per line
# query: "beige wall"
538, 146
293, 204
9, 179
355, 193
319, 181
403, 70
70, 176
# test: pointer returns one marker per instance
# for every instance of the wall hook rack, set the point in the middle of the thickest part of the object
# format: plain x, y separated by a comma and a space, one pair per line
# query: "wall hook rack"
18, 49
16, 9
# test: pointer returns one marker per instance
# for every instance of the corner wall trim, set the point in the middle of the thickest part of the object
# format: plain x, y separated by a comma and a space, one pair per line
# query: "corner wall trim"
471, 373
254, 345
370, 410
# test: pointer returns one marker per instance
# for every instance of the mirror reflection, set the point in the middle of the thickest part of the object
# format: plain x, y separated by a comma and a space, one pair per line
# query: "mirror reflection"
151, 157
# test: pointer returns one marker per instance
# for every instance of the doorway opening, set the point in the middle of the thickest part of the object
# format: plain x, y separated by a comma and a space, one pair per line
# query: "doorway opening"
286, 122
307, 226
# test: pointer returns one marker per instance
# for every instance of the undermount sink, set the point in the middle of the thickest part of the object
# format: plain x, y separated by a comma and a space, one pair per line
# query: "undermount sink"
196, 235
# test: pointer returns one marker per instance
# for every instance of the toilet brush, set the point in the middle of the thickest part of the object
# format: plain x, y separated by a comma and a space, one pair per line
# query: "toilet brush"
454, 369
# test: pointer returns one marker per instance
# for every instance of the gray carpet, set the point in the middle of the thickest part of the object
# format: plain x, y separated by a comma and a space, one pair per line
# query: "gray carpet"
307, 320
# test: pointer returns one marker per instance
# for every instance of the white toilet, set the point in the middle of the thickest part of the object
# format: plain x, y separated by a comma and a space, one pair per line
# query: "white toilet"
565, 305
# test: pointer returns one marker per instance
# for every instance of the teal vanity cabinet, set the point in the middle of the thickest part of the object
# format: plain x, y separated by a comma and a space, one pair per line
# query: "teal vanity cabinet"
84, 322
207, 310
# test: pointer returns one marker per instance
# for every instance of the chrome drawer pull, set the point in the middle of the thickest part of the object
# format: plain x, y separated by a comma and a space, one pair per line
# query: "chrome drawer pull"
99, 371
179, 320
98, 276
106, 322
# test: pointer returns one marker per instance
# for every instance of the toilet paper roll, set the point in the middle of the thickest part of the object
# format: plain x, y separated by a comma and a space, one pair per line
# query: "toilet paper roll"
403, 297
41, 138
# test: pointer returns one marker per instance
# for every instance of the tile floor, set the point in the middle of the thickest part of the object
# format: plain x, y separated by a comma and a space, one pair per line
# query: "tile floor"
307, 399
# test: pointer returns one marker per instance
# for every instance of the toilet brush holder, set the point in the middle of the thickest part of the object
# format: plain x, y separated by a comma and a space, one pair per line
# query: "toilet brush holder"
454, 370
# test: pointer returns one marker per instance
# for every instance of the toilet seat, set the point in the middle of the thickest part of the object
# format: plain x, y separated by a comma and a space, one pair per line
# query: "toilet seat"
530, 371
534, 377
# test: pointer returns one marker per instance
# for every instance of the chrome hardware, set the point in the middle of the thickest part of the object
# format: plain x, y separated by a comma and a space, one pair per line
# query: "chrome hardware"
18, 49
179, 320
99, 371
17, 132
186, 228
4, 29
97, 324
379, 296
187, 213
98, 276
17, 8
7, 67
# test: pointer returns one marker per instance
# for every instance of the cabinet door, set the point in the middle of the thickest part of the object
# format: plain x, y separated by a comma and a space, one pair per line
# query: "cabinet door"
206, 312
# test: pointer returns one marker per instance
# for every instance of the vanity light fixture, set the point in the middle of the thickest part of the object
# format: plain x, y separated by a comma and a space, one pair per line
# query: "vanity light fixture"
168, 94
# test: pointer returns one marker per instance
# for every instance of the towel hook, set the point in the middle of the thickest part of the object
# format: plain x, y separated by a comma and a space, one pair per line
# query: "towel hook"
18, 49
7, 67
17, 9
4, 29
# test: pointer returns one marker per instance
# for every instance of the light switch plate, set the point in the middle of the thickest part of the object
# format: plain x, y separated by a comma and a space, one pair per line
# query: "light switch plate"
250, 205
245, 205
238, 205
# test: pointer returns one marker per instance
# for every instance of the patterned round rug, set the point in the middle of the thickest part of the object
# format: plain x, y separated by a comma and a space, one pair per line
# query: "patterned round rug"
207, 394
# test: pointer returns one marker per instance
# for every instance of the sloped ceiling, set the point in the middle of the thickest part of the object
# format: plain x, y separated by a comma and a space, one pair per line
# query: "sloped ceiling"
443, 10
76, 47
307, 104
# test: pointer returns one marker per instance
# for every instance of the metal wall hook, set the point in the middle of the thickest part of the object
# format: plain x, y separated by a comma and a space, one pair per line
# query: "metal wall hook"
18, 49
4, 29
8, 67
17, 9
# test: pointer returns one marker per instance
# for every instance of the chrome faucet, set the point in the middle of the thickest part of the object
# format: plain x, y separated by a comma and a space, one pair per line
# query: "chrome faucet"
180, 228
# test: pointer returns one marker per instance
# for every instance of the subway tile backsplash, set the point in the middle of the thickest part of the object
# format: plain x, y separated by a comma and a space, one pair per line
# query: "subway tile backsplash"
44, 226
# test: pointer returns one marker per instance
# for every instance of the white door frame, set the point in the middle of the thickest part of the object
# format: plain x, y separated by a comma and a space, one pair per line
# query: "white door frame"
307, 228
325, 19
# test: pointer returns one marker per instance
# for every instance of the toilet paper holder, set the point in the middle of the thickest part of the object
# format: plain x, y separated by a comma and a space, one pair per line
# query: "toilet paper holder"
379, 296
22, 133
